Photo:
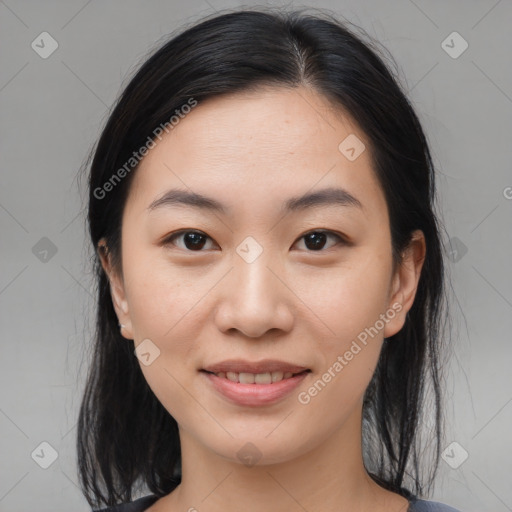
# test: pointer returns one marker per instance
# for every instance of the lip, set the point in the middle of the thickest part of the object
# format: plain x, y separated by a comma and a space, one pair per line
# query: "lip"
254, 395
263, 366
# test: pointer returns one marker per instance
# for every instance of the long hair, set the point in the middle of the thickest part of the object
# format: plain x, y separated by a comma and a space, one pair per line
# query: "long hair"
126, 440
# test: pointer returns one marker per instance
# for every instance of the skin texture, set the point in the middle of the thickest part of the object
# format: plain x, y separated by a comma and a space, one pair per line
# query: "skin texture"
252, 152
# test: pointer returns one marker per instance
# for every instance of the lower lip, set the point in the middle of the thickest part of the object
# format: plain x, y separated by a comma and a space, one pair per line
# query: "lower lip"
254, 394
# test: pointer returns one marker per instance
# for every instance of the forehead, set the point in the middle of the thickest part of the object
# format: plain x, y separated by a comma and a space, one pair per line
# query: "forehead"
259, 146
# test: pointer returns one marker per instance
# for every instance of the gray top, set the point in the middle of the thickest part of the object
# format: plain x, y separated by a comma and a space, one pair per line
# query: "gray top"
415, 505
418, 505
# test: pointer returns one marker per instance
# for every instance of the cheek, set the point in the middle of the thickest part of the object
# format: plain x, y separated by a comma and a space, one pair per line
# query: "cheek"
349, 298
351, 304
161, 296
163, 304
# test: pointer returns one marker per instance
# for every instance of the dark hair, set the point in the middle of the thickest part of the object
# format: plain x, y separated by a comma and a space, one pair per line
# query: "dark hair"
126, 439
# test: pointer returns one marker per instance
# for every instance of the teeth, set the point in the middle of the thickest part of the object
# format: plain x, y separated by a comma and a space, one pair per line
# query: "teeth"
255, 378
262, 378
246, 378
277, 376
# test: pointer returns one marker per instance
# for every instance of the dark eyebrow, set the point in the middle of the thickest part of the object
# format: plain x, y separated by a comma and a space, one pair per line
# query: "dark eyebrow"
185, 197
326, 196
323, 197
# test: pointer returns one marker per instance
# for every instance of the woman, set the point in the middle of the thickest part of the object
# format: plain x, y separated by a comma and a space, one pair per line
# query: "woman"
270, 279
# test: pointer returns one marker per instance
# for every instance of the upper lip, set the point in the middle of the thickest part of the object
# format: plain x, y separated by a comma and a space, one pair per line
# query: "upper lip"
263, 366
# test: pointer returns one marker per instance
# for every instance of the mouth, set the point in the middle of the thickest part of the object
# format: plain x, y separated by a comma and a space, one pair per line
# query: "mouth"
254, 384
256, 378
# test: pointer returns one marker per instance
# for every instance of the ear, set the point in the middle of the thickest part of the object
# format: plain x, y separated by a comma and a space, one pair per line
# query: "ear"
117, 291
405, 282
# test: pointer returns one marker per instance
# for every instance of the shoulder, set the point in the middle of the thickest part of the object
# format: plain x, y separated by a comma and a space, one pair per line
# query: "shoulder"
418, 505
134, 506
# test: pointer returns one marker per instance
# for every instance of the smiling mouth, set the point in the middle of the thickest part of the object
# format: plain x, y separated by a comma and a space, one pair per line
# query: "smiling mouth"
256, 378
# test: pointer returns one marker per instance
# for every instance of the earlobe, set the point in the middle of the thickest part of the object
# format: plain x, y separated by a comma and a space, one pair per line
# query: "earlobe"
405, 282
117, 291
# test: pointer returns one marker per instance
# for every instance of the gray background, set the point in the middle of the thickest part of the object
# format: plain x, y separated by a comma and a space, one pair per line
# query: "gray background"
52, 110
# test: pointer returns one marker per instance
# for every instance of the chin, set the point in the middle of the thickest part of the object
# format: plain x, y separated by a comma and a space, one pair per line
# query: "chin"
261, 449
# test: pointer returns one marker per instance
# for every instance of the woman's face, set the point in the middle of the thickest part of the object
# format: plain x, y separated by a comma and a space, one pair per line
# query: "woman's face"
270, 282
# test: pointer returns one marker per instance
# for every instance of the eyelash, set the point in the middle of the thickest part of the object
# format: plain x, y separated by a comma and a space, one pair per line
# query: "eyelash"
170, 239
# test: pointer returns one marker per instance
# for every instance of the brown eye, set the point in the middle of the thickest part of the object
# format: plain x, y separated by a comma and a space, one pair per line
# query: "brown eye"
316, 240
192, 240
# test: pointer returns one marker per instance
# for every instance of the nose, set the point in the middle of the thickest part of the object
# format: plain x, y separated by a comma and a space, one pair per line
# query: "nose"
254, 299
